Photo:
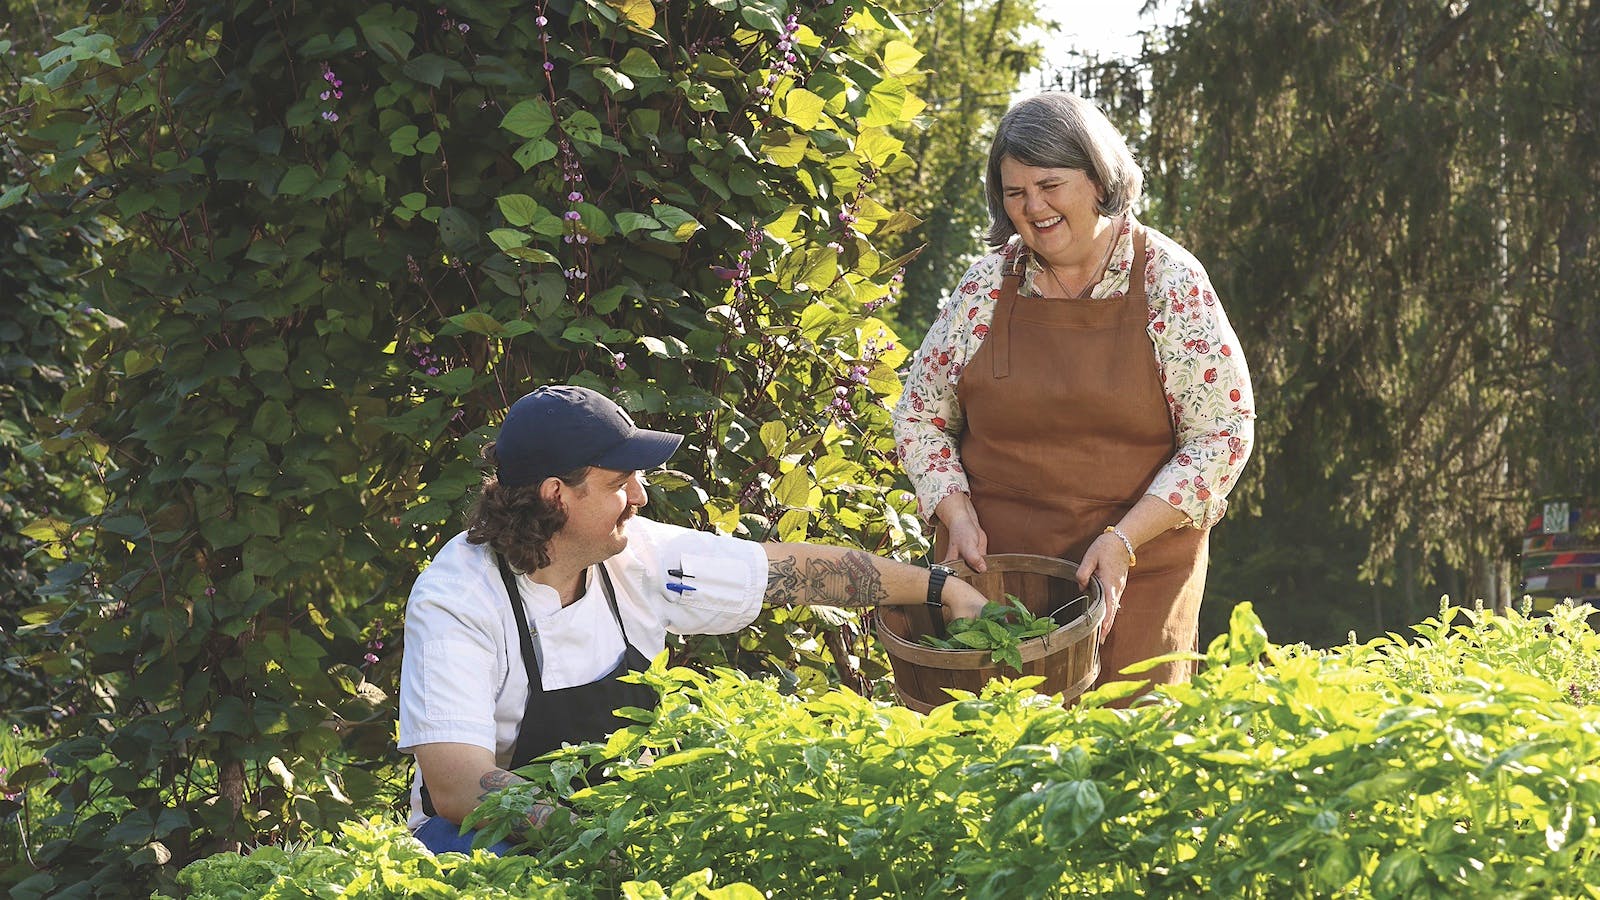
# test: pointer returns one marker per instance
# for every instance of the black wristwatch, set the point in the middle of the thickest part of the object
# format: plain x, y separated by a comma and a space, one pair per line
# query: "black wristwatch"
936, 578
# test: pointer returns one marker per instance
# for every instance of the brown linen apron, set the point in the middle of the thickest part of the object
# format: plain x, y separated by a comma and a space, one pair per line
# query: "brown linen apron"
1066, 425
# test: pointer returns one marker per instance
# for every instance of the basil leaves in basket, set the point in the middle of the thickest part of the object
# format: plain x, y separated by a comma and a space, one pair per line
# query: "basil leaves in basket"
1000, 628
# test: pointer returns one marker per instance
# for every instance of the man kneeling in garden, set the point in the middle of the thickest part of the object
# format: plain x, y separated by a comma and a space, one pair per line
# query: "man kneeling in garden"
557, 584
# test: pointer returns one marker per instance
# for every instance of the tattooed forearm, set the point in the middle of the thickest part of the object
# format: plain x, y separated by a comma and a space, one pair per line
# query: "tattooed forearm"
496, 780
852, 580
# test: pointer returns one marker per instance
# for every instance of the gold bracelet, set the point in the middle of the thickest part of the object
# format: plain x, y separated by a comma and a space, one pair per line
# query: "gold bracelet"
1133, 560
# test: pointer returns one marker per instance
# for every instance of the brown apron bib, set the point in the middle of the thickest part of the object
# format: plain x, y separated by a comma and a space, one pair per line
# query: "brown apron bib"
1066, 426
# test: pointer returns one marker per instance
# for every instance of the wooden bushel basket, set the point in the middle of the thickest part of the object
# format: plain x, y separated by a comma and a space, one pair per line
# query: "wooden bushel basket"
1068, 658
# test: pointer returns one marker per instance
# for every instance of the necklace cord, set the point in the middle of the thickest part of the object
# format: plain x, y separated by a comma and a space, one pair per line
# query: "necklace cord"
1099, 272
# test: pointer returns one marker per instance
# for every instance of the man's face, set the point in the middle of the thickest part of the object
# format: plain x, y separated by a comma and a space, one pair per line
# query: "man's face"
597, 510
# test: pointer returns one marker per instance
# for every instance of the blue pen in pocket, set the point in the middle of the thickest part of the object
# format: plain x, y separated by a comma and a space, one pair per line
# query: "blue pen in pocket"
679, 587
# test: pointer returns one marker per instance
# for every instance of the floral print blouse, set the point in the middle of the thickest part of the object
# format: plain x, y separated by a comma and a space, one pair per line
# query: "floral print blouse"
1202, 369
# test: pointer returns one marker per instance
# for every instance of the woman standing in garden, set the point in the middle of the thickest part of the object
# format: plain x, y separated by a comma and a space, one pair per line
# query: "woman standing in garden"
1081, 394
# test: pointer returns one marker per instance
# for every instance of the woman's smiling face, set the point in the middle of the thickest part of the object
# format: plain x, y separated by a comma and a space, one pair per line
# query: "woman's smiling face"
1054, 210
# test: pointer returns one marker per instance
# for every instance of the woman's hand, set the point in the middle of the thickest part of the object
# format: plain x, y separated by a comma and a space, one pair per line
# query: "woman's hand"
1106, 558
967, 540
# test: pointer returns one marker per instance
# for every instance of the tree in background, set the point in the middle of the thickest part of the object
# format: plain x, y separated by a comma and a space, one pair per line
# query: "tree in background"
353, 234
975, 54
1395, 202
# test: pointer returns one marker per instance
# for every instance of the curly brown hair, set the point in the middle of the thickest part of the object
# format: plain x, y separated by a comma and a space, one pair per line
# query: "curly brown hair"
515, 521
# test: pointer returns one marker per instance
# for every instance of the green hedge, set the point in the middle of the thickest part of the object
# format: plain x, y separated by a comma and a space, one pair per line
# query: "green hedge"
1461, 763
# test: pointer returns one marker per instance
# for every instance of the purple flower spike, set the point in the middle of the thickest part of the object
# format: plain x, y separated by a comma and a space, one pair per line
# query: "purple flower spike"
541, 21
549, 67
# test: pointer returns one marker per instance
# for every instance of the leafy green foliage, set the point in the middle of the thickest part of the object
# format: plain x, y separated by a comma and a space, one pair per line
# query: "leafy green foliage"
1455, 764
350, 235
1560, 648
29, 25
25, 801
1277, 772
46, 327
972, 57
375, 859
999, 627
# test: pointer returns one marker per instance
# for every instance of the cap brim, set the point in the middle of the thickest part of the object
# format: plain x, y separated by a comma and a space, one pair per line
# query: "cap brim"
643, 451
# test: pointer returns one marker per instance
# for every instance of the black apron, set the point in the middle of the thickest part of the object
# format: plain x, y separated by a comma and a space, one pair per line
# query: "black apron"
572, 715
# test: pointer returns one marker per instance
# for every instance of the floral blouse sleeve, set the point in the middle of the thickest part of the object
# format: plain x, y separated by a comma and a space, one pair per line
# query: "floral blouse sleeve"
928, 418
1207, 384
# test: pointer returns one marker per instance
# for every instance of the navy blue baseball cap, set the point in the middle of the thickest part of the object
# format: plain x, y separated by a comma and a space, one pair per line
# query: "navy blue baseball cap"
561, 427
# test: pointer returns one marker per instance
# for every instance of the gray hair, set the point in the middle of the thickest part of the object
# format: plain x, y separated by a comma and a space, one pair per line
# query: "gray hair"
1055, 130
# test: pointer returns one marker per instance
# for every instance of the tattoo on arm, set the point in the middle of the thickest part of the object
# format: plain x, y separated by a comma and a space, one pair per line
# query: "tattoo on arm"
540, 814
851, 581
784, 581
496, 780
499, 779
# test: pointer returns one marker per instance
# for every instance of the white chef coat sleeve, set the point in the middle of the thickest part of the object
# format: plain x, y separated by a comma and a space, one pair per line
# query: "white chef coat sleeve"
723, 579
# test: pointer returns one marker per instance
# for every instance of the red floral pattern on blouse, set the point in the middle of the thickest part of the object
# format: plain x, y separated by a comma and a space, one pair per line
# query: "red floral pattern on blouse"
1202, 369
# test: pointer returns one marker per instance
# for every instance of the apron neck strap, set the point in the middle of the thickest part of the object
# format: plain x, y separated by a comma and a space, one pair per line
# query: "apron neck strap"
1136, 271
1000, 326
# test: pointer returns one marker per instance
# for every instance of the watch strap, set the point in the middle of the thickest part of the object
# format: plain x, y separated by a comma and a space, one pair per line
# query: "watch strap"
937, 575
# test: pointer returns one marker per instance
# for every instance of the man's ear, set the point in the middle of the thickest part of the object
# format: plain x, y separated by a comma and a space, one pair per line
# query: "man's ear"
551, 491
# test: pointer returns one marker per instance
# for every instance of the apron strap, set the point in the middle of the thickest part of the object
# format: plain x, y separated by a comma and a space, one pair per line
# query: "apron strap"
611, 598
530, 660
1000, 326
1136, 272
